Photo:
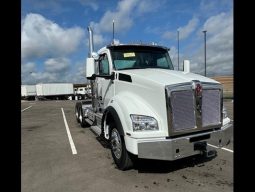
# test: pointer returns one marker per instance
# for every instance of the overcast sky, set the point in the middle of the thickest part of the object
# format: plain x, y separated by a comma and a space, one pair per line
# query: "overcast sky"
54, 43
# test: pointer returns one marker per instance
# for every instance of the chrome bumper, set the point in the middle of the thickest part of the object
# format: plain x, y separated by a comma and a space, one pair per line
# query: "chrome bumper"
177, 148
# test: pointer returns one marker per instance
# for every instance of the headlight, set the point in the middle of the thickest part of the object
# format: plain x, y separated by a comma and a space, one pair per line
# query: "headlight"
144, 123
224, 111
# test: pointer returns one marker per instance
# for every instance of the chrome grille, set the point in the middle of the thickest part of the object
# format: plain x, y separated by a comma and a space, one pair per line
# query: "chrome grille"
211, 107
189, 111
183, 110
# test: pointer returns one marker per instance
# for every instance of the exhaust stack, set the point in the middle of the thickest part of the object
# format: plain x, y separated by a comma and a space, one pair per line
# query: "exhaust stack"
91, 43
92, 82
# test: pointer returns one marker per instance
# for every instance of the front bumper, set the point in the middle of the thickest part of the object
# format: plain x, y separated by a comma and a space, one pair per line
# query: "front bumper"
177, 148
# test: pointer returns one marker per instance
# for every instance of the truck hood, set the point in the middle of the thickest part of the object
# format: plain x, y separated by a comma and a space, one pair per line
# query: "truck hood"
164, 76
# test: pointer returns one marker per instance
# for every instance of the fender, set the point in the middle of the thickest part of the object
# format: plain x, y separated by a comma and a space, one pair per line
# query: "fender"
120, 107
126, 103
115, 116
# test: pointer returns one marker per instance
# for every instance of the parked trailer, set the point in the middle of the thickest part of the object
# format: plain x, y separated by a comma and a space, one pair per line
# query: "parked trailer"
28, 91
54, 90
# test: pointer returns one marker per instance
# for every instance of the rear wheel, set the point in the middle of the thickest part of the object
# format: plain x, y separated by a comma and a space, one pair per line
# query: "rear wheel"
121, 156
77, 113
83, 123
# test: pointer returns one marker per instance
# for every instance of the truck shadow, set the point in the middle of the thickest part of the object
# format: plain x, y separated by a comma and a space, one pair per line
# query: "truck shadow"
159, 166
103, 142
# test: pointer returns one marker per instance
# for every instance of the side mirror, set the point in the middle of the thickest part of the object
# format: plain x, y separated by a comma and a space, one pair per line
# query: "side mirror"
186, 66
94, 55
90, 68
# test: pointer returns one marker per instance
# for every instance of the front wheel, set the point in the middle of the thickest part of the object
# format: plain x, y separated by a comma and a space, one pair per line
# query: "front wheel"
119, 152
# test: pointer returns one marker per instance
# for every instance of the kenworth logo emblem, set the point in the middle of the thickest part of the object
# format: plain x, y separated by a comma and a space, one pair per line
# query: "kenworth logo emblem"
197, 87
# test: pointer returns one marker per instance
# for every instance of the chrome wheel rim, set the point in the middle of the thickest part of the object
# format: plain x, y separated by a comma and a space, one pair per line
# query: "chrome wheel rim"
76, 113
80, 117
116, 143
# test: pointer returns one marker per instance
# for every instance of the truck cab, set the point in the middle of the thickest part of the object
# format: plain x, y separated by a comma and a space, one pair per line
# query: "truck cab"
146, 109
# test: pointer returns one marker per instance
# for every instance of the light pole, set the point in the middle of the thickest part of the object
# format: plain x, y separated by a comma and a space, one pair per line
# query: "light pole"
205, 49
178, 46
113, 31
31, 74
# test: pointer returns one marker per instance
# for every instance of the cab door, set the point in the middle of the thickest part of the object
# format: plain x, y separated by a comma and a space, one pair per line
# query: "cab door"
105, 89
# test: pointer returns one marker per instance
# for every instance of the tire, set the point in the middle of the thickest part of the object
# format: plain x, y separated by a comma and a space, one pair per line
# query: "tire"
121, 156
77, 111
83, 123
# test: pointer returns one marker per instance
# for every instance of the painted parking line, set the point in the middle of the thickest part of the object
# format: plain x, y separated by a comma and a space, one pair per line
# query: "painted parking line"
25, 108
229, 150
69, 134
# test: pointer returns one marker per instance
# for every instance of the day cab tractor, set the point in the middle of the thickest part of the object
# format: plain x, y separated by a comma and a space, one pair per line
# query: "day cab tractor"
146, 109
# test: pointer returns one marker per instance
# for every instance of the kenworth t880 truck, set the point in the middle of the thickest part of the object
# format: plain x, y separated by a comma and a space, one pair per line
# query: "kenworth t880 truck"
146, 109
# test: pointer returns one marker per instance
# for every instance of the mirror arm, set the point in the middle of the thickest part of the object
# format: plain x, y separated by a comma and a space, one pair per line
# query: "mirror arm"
93, 77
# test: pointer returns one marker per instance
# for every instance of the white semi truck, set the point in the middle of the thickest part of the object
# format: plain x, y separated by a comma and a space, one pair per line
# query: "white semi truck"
146, 109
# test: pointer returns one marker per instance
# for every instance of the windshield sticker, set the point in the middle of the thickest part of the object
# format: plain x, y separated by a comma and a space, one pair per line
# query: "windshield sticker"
132, 54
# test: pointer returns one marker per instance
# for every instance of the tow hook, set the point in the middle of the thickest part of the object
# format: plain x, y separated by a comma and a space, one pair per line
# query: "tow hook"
202, 147
209, 154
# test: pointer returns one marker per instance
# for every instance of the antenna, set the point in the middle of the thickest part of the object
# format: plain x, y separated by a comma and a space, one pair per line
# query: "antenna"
113, 31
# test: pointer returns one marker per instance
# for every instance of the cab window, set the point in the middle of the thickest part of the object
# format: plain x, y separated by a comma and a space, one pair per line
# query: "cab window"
103, 65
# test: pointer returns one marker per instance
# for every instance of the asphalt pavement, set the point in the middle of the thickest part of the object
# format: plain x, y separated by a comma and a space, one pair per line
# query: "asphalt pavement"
48, 161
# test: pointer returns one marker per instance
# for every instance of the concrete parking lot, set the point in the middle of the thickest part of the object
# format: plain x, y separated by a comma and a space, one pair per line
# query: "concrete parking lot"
48, 162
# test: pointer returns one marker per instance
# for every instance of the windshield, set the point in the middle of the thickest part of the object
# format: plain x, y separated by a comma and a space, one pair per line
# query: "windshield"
138, 58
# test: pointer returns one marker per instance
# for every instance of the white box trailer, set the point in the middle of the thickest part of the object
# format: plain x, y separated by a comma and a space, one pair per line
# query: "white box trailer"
28, 90
54, 89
